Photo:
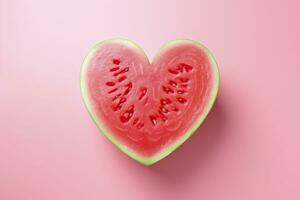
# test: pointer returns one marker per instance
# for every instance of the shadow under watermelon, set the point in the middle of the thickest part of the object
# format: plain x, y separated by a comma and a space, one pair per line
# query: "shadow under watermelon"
196, 152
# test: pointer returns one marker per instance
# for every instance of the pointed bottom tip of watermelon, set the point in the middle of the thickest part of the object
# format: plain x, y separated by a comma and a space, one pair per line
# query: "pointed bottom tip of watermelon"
147, 162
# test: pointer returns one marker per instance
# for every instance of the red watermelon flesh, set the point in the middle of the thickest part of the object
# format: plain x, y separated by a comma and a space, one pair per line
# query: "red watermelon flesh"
149, 109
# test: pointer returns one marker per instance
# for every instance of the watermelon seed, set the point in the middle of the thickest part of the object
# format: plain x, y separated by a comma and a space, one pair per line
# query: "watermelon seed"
110, 83
128, 88
126, 116
114, 69
172, 83
122, 100
135, 121
140, 125
117, 107
113, 90
184, 85
182, 66
165, 101
181, 91
153, 119
163, 109
167, 89
116, 61
162, 116
183, 79
173, 71
181, 100
120, 104
127, 91
188, 68
143, 92
122, 78
126, 69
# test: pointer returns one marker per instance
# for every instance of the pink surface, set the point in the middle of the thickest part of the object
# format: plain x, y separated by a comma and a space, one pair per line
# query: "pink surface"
247, 149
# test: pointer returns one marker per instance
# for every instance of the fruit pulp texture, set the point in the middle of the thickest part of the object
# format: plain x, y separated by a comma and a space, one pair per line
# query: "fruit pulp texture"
148, 106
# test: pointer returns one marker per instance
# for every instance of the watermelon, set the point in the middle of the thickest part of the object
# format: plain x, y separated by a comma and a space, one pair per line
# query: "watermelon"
149, 109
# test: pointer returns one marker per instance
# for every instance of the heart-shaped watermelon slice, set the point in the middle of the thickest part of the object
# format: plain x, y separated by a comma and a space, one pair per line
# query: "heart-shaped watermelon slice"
149, 109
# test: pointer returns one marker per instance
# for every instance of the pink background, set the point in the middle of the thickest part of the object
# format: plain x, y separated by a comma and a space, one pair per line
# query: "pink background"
249, 147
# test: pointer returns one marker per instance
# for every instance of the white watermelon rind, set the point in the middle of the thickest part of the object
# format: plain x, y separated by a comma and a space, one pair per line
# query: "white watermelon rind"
169, 149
